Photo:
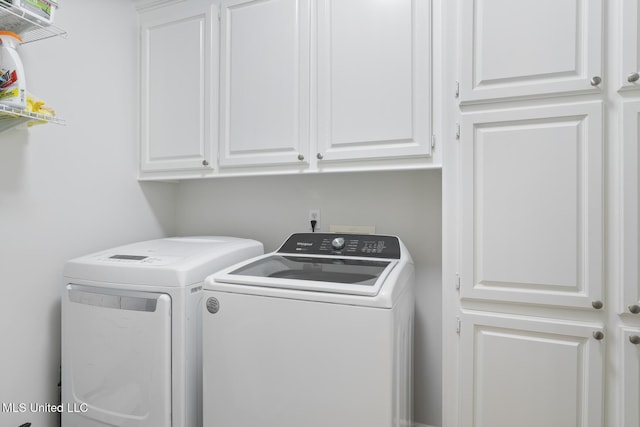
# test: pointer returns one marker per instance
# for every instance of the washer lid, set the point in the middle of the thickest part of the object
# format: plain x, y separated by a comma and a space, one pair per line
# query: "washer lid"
343, 275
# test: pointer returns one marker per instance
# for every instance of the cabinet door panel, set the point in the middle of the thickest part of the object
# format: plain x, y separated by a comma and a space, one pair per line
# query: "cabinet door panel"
532, 224
178, 119
527, 48
630, 18
373, 79
630, 376
630, 181
518, 371
265, 82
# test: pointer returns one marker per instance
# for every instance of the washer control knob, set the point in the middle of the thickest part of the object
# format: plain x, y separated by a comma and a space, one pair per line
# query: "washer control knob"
338, 243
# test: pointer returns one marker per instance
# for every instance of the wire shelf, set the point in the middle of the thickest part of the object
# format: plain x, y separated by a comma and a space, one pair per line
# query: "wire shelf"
27, 26
30, 29
11, 117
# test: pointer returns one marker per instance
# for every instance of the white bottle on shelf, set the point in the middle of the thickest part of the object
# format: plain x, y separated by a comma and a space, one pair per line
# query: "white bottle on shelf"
13, 91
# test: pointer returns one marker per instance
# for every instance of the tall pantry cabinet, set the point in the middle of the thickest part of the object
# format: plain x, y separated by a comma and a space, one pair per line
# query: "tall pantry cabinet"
541, 194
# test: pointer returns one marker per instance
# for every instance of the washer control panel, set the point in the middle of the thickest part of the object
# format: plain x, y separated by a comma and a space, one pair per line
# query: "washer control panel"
361, 245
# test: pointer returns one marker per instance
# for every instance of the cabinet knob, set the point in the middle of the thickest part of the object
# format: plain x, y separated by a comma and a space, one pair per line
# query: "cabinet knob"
205, 163
633, 77
596, 80
319, 156
597, 305
599, 335
300, 157
634, 309
634, 339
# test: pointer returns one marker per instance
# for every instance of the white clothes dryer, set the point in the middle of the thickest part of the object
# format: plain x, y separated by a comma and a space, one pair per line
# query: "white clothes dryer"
316, 334
132, 327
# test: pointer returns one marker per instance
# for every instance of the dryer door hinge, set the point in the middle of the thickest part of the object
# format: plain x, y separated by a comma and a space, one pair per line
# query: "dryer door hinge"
433, 141
457, 282
458, 325
457, 89
457, 130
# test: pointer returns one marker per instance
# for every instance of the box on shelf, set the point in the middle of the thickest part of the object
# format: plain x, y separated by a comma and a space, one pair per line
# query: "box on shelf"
42, 10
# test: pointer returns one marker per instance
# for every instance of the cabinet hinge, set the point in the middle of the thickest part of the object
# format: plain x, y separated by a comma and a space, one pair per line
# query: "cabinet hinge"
457, 130
457, 89
457, 282
433, 141
458, 325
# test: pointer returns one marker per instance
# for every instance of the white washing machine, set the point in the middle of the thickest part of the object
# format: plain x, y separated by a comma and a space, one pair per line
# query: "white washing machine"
316, 334
131, 331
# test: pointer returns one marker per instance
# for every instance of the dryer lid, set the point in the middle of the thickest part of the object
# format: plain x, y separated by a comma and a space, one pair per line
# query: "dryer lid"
169, 262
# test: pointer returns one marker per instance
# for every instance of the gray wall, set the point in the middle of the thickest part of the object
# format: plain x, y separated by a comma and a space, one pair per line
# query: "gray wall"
407, 204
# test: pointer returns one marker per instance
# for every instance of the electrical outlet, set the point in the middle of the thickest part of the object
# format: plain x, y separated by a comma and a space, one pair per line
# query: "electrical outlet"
314, 215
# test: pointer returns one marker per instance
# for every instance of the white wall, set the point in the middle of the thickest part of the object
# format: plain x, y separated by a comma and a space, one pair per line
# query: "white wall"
407, 204
68, 190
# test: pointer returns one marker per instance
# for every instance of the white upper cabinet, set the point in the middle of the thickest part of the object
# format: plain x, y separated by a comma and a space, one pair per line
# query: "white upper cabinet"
532, 197
178, 111
264, 82
281, 86
630, 180
374, 75
630, 59
529, 48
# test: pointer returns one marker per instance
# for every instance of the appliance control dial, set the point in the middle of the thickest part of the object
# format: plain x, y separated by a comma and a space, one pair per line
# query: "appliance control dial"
338, 243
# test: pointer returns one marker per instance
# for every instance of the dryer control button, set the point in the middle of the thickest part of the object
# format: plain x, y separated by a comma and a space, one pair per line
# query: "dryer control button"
338, 243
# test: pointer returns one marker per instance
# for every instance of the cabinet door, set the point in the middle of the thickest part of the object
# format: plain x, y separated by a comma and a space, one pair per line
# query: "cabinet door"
178, 115
529, 47
374, 78
517, 371
532, 222
264, 82
630, 376
630, 182
630, 70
